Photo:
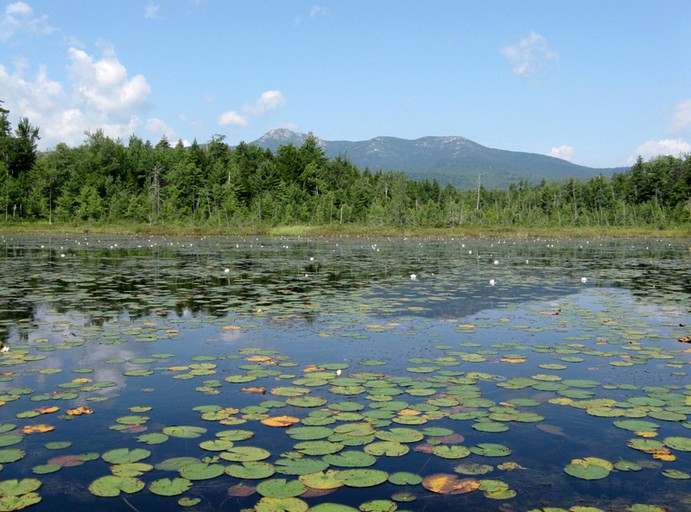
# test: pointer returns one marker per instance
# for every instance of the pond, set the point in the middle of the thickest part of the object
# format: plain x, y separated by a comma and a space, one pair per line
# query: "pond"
341, 374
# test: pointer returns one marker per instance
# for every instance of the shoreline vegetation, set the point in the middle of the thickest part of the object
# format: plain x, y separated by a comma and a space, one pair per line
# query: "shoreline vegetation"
133, 229
107, 186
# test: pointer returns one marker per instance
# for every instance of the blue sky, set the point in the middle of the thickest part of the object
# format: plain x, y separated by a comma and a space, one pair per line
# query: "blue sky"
597, 82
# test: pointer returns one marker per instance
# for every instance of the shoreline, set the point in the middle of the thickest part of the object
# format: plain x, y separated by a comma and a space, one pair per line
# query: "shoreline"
349, 230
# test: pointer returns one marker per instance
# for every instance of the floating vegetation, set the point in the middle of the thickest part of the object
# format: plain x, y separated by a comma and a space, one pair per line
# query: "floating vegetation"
274, 384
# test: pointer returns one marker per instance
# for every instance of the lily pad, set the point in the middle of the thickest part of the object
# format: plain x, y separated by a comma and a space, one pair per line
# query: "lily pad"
491, 450
281, 488
125, 455
321, 480
268, 504
111, 486
405, 478
590, 468
252, 470
245, 454
19, 487
19, 502
170, 487
201, 471
682, 444
388, 448
350, 459
185, 432
362, 477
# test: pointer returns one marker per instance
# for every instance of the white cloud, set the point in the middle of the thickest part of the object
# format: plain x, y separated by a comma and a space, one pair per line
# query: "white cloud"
104, 86
653, 148
159, 128
530, 56
682, 117
232, 118
99, 94
565, 152
269, 100
19, 17
151, 11
317, 11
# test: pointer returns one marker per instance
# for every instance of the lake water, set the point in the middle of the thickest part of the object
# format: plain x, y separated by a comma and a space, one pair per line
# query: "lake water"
269, 374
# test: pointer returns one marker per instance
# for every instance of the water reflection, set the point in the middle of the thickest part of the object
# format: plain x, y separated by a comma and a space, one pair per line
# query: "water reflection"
106, 277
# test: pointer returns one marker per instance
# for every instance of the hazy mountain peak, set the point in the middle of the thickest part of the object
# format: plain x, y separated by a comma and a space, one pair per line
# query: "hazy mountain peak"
447, 159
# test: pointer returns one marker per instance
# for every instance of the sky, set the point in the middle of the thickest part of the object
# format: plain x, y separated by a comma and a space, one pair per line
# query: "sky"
595, 82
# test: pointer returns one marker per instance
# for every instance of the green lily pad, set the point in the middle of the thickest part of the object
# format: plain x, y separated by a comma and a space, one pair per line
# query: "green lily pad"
268, 504
362, 477
321, 480
676, 474
404, 478
216, 445
318, 447
306, 401
130, 469
125, 455
473, 468
332, 507
281, 488
45, 469
683, 444
309, 433
590, 468
491, 450
350, 459
252, 470
245, 454
58, 445
490, 426
10, 439
235, 435
153, 438
11, 455
19, 502
19, 487
201, 471
637, 425
175, 463
189, 502
437, 431
170, 487
184, 432
451, 451
388, 448
625, 465
378, 506
300, 466
111, 486
400, 435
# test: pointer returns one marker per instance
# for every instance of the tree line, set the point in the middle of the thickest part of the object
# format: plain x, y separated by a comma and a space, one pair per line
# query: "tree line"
104, 180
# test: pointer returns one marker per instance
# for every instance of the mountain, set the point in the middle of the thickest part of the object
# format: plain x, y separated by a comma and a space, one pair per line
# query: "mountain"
454, 160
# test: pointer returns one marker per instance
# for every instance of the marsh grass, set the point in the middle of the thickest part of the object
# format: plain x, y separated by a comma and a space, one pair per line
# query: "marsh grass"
121, 228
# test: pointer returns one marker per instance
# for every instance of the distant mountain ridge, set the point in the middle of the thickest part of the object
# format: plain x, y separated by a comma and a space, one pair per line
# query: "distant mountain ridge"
450, 159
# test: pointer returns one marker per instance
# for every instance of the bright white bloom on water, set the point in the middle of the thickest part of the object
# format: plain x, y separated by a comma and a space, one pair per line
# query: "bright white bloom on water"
5, 348
413, 277
226, 270
496, 262
492, 282
584, 280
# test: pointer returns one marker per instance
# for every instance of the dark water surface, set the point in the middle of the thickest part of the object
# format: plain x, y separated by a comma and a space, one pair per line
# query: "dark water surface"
540, 346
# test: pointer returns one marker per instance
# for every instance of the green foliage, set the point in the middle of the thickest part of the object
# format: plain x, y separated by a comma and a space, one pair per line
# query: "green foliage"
105, 181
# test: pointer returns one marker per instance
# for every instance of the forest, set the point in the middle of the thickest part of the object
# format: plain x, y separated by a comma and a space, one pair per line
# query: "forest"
213, 184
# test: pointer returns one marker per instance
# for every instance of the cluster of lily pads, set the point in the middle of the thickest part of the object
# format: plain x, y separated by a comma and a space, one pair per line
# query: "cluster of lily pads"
275, 433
